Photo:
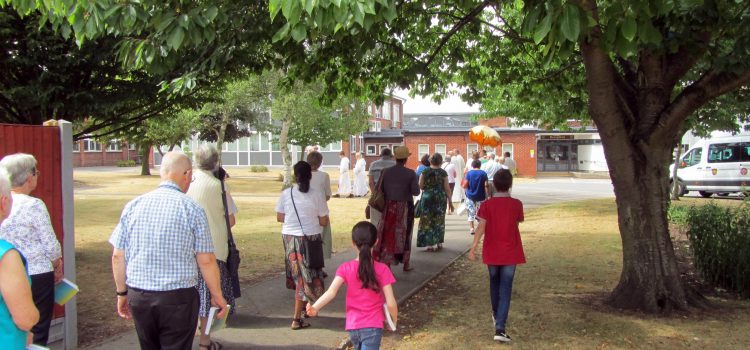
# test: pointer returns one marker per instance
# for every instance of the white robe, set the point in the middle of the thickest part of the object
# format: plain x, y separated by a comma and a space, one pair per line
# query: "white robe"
458, 191
360, 179
345, 184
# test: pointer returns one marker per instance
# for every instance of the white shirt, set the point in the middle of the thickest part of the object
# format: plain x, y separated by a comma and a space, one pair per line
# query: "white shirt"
310, 206
321, 182
29, 229
450, 168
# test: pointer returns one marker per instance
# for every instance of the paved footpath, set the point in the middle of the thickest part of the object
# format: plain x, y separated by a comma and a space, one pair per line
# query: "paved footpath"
264, 312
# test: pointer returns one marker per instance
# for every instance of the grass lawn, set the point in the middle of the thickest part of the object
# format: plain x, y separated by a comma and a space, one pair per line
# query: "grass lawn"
99, 199
574, 258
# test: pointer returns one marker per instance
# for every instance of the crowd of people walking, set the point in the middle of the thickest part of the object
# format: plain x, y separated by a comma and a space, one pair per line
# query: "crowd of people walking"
174, 258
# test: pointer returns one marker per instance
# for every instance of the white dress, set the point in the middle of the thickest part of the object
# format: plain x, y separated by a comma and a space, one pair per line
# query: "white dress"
360, 178
345, 184
458, 191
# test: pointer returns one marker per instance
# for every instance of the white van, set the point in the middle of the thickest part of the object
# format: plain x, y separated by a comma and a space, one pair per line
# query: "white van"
717, 165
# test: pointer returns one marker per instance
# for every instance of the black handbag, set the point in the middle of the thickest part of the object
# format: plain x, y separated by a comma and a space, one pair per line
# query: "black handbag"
313, 247
233, 258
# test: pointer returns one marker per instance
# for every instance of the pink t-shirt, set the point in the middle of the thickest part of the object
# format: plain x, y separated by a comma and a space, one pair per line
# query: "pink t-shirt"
364, 307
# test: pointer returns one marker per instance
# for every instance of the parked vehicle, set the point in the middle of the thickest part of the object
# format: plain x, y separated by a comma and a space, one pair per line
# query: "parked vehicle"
715, 166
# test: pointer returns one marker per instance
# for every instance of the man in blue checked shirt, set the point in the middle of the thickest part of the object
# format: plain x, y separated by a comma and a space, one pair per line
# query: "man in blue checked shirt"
160, 245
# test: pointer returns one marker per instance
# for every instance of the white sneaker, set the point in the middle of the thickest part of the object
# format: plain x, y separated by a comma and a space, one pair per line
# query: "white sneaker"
501, 336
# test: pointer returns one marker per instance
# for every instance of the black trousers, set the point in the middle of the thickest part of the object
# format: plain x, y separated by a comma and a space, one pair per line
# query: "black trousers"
165, 320
43, 293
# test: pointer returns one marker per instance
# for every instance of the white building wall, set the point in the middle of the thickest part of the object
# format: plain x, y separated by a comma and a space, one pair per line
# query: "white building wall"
591, 158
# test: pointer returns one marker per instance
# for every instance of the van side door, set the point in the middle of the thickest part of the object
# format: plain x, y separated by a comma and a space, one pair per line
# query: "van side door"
723, 166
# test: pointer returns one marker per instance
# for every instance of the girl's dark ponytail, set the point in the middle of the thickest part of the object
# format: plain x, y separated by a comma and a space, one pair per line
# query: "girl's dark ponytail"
364, 235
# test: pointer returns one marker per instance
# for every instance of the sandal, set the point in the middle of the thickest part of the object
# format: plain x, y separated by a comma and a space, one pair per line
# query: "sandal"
300, 324
213, 345
430, 249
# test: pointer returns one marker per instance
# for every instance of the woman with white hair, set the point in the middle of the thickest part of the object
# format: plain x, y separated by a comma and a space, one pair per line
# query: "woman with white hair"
360, 177
17, 311
206, 191
29, 229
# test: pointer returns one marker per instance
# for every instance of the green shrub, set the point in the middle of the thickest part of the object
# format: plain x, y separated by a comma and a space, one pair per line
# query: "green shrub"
720, 241
678, 214
258, 169
125, 163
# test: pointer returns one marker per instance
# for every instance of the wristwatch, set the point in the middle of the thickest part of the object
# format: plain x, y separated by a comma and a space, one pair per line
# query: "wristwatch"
121, 294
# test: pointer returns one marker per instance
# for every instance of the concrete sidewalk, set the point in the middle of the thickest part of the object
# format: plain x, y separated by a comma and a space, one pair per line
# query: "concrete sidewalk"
264, 313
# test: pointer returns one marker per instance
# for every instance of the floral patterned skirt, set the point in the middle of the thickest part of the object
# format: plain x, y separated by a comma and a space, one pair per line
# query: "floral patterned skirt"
226, 290
307, 283
395, 233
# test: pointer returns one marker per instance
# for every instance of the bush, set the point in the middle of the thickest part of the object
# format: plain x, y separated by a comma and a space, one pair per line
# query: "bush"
678, 214
720, 241
258, 169
125, 163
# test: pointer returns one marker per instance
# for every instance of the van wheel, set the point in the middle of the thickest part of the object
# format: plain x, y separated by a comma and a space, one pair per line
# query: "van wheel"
705, 194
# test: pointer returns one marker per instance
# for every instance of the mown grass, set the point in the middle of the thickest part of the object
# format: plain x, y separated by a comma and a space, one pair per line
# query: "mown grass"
99, 200
574, 259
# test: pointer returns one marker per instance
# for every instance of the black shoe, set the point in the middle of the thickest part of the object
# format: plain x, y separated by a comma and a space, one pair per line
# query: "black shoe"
501, 336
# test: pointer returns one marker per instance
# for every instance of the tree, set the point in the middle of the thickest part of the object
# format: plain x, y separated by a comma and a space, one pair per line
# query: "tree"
642, 67
645, 70
306, 121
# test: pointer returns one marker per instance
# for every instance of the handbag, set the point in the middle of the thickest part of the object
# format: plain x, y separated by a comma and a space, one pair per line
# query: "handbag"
418, 208
233, 258
313, 248
465, 182
377, 200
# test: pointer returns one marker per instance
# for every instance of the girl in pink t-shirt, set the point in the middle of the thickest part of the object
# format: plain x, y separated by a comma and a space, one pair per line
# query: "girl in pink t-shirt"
369, 287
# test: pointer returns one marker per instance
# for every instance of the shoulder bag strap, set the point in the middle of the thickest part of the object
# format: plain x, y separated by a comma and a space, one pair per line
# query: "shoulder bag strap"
291, 194
230, 239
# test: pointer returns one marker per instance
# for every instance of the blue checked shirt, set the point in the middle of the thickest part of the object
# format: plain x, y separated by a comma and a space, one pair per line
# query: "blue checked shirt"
161, 232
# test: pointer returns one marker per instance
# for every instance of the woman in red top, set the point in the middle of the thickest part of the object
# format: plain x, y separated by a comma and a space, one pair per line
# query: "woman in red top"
502, 249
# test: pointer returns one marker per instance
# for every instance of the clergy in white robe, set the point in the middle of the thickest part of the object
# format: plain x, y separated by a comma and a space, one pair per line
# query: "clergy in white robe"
458, 161
345, 184
360, 187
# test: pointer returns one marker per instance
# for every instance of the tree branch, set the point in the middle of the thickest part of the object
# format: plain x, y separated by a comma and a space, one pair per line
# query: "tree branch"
711, 85
558, 71
456, 27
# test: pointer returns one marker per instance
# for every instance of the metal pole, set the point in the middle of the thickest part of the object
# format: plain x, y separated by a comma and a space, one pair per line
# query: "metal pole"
69, 263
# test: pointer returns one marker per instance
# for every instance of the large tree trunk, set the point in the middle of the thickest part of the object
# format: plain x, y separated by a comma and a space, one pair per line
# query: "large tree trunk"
650, 280
145, 150
285, 155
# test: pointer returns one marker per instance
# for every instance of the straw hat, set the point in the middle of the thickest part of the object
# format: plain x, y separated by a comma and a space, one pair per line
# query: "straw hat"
401, 152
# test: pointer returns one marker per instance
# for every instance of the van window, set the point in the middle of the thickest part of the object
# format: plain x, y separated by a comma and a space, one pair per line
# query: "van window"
745, 151
692, 158
724, 152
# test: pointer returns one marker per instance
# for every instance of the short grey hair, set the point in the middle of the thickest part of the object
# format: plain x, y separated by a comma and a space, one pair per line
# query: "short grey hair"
4, 183
206, 157
491, 155
19, 167
172, 161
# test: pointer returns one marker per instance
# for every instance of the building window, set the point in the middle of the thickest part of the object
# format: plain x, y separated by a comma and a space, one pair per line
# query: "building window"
440, 149
76, 146
423, 149
254, 142
379, 112
387, 110
374, 125
264, 141
371, 150
396, 114
471, 148
90, 145
507, 147
336, 146
131, 146
113, 146
382, 147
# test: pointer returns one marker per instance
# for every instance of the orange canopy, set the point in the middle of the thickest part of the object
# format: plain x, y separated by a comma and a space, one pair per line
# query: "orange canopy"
484, 135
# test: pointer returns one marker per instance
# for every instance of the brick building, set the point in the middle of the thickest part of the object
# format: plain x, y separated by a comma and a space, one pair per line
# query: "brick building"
89, 152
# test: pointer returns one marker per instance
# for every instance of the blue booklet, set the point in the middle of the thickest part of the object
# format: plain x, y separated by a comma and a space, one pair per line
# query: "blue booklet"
64, 291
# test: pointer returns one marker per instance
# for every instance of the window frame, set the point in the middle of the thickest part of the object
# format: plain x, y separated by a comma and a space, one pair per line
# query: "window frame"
117, 148
87, 145
76, 146
512, 150
445, 149
470, 148
369, 151
387, 110
419, 150
684, 159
